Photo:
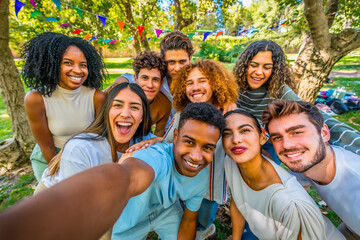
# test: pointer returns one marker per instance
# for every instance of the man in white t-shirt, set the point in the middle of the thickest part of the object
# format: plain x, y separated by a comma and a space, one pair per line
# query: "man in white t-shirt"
300, 139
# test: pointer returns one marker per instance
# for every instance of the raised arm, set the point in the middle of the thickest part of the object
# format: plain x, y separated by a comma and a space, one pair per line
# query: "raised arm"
36, 112
81, 207
99, 98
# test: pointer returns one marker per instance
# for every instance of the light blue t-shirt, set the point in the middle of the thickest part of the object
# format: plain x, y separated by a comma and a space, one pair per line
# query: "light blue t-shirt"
167, 187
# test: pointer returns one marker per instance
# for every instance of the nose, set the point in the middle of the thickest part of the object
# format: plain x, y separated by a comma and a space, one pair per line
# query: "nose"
125, 112
177, 66
150, 84
76, 68
287, 143
237, 138
196, 154
196, 85
259, 70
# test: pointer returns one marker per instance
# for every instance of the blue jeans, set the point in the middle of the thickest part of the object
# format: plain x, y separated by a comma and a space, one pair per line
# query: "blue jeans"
248, 234
207, 213
165, 223
270, 149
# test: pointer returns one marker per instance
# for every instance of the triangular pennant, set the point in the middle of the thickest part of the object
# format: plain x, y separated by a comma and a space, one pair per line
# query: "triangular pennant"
18, 6
114, 41
218, 34
93, 38
77, 31
206, 34
51, 19
102, 19
33, 3
58, 4
79, 11
121, 25
143, 38
107, 40
191, 35
141, 29
100, 40
65, 25
130, 38
88, 35
35, 13
158, 32
149, 39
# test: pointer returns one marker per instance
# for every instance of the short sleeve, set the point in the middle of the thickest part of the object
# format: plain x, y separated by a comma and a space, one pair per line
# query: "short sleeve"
129, 77
155, 158
194, 203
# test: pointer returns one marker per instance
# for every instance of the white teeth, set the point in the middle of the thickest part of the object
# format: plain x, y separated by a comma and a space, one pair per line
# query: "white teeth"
192, 165
75, 78
293, 155
198, 95
124, 124
257, 79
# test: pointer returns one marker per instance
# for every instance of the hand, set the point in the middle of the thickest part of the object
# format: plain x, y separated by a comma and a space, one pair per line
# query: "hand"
144, 144
124, 156
229, 107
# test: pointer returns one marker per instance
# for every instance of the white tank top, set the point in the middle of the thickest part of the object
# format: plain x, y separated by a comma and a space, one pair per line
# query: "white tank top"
69, 112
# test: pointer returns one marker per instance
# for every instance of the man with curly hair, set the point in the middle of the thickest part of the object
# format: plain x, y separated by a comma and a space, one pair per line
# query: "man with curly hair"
149, 71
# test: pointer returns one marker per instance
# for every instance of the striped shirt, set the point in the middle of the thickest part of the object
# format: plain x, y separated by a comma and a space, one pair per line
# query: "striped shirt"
341, 134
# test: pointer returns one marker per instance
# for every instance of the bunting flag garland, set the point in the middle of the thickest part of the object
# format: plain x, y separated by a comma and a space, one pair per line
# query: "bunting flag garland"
18, 6
107, 40
51, 19
206, 34
234, 32
100, 40
114, 41
88, 35
293, 20
121, 25
191, 35
33, 3
141, 29
158, 32
35, 13
65, 25
93, 38
102, 19
58, 4
77, 31
218, 34
79, 11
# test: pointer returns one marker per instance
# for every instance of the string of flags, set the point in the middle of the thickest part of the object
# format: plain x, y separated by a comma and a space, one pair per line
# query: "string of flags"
19, 5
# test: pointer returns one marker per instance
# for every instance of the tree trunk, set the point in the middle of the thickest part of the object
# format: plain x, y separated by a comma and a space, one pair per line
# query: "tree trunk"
145, 42
12, 92
312, 67
133, 28
180, 21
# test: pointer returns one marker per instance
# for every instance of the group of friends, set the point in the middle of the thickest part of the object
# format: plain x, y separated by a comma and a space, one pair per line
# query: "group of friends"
158, 150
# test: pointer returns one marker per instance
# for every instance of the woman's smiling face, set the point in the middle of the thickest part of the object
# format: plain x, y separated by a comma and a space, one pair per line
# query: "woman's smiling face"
259, 70
125, 115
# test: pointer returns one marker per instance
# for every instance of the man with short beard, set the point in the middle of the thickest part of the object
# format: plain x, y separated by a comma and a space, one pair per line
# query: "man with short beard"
300, 139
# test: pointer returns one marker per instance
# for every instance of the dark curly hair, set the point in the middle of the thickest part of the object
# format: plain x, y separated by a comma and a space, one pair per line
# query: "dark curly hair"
204, 112
221, 80
149, 60
281, 73
43, 55
176, 40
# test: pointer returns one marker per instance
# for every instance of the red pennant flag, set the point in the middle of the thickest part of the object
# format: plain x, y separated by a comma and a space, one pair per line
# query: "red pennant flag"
88, 35
141, 29
218, 34
143, 38
121, 25
234, 31
77, 31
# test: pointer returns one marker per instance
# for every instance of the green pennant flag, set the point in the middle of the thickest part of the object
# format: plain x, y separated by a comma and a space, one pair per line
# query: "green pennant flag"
191, 35
79, 11
35, 13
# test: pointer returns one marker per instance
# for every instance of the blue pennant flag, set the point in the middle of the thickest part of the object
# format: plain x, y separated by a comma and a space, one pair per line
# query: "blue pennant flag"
18, 6
102, 19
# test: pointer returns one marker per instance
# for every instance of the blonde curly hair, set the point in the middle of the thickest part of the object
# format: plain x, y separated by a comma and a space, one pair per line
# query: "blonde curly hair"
222, 82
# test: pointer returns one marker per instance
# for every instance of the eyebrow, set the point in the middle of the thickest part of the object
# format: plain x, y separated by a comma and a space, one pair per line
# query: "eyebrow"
289, 129
73, 60
259, 63
191, 79
120, 101
193, 139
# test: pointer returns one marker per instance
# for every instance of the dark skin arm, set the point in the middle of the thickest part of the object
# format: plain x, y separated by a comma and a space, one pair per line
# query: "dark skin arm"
99, 98
187, 229
83, 206
36, 112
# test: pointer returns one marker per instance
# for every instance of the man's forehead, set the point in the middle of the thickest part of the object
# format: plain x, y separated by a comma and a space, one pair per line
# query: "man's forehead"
289, 121
197, 129
149, 71
176, 54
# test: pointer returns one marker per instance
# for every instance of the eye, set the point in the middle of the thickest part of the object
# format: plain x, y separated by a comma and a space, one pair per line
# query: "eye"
267, 68
117, 105
136, 108
245, 130
275, 138
189, 83
209, 148
183, 61
226, 134
171, 62
297, 132
253, 65
83, 65
67, 63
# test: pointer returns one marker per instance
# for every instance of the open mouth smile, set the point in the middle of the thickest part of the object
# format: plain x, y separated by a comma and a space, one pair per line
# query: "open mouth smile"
123, 127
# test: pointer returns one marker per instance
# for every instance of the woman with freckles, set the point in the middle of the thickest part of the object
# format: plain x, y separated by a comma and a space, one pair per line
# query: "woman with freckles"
264, 194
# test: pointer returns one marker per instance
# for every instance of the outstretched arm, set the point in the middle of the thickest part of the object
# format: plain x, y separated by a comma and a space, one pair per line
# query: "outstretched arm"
187, 229
237, 220
83, 206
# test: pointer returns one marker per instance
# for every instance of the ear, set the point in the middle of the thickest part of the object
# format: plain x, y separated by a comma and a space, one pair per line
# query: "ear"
190, 58
325, 133
175, 134
263, 138
135, 78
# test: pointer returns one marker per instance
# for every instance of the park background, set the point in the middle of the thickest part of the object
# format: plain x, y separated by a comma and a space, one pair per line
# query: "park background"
321, 39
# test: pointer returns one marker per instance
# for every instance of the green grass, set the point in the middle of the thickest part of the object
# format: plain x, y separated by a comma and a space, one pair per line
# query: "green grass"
5, 122
348, 63
118, 62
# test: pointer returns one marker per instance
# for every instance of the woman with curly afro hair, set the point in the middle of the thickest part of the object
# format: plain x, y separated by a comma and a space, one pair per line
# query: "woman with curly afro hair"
206, 81
65, 74
263, 75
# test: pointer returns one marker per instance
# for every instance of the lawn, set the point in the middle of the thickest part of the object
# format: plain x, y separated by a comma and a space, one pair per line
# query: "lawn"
18, 185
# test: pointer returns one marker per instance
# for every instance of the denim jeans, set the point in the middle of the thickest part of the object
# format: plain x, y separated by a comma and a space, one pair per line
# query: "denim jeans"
206, 214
